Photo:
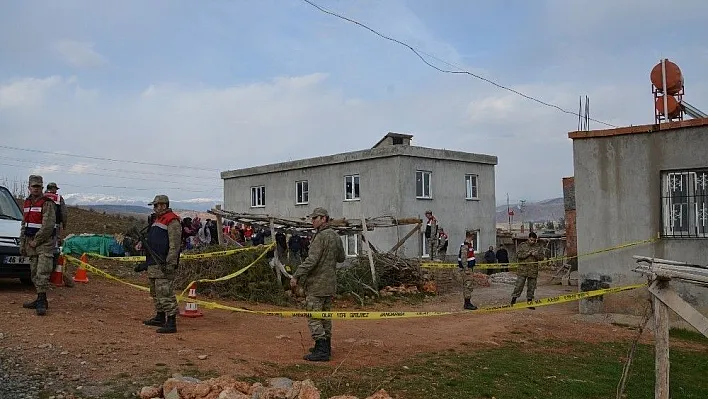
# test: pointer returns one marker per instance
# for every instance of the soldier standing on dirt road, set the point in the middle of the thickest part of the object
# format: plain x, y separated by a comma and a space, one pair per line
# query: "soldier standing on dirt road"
529, 254
37, 241
164, 238
318, 276
466, 262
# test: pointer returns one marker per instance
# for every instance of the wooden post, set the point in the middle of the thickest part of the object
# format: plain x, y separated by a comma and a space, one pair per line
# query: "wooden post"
276, 259
403, 240
661, 347
219, 226
368, 253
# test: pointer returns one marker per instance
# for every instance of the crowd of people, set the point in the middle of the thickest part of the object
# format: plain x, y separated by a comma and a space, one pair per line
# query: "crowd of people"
167, 236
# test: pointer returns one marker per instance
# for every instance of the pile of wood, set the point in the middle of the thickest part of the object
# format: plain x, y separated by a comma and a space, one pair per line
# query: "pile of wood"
392, 270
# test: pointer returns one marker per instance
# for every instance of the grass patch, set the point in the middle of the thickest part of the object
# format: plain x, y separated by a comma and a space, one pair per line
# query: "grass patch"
688, 335
540, 370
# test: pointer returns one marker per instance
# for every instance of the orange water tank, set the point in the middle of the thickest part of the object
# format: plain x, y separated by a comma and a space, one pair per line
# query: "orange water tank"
671, 103
674, 78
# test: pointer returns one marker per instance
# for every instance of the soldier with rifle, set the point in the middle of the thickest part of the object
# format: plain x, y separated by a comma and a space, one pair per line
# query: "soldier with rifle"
162, 245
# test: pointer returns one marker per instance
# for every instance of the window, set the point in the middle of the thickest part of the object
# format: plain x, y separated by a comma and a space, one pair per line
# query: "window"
397, 140
351, 187
471, 187
422, 184
685, 203
258, 197
351, 244
302, 192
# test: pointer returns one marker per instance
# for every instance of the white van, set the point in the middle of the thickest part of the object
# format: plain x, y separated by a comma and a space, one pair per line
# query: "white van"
12, 265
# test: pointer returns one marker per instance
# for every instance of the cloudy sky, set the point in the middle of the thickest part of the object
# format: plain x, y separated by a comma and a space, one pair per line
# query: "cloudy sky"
226, 84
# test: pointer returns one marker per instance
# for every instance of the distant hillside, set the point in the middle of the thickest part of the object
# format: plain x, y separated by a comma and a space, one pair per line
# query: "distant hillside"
542, 211
119, 209
97, 222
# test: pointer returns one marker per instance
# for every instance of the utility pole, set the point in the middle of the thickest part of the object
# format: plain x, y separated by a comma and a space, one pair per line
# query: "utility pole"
522, 205
508, 211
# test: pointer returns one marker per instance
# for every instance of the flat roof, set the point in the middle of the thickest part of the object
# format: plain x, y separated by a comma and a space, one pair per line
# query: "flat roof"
639, 129
355, 156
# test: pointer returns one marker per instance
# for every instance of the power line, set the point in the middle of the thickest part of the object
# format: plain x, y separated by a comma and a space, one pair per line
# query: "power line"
109, 159
132, 188
111, 170
460, 71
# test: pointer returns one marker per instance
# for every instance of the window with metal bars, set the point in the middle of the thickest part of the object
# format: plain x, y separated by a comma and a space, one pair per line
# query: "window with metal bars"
684, 207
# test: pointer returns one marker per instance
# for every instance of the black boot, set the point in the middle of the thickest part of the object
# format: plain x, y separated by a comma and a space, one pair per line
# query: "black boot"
158, 320
320, 354
42, 304
513, 300
469, 305
329, 346
31, 305
531, 307
170, 326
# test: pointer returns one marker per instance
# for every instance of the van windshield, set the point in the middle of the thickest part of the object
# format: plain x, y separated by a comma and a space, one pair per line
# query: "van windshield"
8, 206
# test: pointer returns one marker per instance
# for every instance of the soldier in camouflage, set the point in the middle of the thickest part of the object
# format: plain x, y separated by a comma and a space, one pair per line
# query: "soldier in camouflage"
62, 215
466, 262
318, 276
529, 254
164, 238
37, 241
431, 234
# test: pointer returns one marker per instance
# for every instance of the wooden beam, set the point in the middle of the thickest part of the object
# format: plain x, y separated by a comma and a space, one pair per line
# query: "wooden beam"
403, 240
368, 253
671, 299
661, 347
219, 227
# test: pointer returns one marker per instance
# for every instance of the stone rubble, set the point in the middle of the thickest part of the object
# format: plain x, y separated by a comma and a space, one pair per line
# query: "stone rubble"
180, 387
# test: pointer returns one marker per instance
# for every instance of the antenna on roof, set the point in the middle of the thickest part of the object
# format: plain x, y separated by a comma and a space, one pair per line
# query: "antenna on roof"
584, 115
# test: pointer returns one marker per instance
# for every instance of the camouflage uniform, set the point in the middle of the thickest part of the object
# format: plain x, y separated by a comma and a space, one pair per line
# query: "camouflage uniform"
42, 253
62, 216
431, 233
528, 273
162, 276
465, 269
164, 241
318, 276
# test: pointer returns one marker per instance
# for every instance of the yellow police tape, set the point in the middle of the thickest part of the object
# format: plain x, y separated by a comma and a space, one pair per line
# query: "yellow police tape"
232, 275
485, 266
96, 270
363, 315
183, 256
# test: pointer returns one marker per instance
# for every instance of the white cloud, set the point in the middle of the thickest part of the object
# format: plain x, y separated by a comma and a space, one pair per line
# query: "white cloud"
78, 54
80, 168
305, 116
27, 91
42, 169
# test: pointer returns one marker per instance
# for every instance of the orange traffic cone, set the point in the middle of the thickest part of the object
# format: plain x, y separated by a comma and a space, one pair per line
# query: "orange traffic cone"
57, 277
190, 308
80, 275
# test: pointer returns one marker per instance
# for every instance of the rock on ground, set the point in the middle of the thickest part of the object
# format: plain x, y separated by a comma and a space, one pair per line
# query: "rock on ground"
179, 387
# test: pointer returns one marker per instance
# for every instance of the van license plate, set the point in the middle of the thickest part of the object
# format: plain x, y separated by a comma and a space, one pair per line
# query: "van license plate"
16, 260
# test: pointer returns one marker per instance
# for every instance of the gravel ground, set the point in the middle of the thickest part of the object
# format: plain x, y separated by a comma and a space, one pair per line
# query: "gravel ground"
19, 382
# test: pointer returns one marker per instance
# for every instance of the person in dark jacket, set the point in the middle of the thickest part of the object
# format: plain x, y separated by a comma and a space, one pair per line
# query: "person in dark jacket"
503, 258
490, 257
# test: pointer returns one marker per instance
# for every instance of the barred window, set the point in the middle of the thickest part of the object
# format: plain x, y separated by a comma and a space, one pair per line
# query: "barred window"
685, 203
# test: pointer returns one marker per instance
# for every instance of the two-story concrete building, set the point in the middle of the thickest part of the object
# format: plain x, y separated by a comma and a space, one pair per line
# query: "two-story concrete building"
393, 178
637, 183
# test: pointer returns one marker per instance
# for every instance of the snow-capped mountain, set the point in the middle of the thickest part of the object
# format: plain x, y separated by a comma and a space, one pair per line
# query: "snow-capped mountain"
195, 204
